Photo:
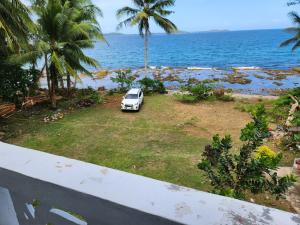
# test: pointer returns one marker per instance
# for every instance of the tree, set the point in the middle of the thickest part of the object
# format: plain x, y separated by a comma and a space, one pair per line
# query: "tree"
124, 79
141, 15
295, 40
64, 29
252, 169
15, 24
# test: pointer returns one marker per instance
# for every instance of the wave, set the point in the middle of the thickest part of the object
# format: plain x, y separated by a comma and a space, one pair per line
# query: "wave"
246, 68
199, 68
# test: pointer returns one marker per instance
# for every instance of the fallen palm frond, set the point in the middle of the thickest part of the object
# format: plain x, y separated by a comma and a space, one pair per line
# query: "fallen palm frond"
292, 111
31, 101
6, 109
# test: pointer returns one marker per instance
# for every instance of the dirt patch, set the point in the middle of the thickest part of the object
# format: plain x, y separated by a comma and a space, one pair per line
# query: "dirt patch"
113, 102
206, 119
254, 97
293, 195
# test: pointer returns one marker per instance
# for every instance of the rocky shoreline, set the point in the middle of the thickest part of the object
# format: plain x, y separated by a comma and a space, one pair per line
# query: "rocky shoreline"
244, 80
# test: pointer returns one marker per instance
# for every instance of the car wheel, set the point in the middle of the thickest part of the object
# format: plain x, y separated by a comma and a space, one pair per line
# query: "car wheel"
138, 109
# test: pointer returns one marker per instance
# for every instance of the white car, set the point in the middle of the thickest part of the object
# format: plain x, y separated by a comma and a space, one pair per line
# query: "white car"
133, 100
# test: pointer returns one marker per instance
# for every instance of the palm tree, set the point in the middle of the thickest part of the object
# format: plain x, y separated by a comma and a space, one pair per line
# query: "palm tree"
295, 40
65, 28
15, 24
141, 15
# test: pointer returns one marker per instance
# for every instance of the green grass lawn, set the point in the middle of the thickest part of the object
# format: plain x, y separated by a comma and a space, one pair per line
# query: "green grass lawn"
148, 143
164, 140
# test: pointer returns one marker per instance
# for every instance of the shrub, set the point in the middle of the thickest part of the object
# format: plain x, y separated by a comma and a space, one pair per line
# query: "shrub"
194, 93
89, 94
252, 169
226, 98
201, 91
124, 79
17, 82
152, 86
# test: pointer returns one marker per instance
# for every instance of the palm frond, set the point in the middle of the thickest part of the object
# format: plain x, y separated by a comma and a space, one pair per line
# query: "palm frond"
125, 23
139, 3
128, 11
166, 24
161, 4
296, 46
295, 17
288, 42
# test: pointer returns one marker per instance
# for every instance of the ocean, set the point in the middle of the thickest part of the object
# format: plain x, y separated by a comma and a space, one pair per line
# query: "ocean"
259, 48
246, 61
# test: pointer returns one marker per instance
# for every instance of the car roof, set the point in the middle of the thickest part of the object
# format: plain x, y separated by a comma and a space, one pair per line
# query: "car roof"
133, 91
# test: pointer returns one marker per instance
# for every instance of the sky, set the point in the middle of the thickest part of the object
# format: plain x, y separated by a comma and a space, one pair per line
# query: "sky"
204, 15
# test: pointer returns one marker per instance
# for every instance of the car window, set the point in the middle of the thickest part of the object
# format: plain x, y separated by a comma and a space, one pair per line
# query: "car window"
140, 94
131, 96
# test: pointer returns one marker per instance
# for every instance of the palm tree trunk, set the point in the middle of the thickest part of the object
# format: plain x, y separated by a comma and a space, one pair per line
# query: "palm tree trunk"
68, 84
146, 50
47, 74
53, 86
61, 81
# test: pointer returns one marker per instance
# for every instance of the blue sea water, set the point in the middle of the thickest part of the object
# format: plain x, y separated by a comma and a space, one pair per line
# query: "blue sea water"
205, 49
216, 51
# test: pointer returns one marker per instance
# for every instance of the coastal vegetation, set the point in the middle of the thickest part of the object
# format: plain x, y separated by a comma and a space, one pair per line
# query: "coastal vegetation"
141, 15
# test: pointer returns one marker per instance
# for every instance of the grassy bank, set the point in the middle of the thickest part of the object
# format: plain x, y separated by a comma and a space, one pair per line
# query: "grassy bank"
163, 141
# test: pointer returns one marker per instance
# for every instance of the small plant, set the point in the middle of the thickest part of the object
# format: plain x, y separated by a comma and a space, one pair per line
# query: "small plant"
194, 93
186, 98
252, 169
124, 79
152, 86
226, 98
89, 95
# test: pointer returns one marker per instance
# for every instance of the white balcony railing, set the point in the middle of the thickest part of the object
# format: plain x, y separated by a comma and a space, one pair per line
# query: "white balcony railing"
39, 188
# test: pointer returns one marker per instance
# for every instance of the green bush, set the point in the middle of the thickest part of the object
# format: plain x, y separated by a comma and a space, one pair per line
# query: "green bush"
285, 100
234, 175
194, 93
200, 91
124, 79
16, 82
90, 94
226, 98
152, 86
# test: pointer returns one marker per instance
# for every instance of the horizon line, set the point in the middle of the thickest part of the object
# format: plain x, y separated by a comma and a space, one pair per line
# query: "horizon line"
193, 32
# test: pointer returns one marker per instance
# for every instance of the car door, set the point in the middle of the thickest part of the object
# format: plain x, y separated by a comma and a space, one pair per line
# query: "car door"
141, 97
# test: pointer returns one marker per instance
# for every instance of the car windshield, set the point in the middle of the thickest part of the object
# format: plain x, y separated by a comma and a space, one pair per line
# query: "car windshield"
131, 96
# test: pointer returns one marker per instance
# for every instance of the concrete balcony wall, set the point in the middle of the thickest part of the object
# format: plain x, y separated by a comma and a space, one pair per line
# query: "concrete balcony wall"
37, 188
